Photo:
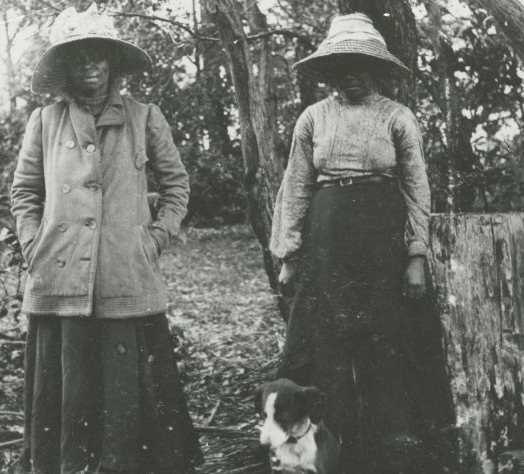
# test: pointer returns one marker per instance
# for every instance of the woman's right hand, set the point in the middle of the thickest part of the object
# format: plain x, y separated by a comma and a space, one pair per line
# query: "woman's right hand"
287, 273
287, 277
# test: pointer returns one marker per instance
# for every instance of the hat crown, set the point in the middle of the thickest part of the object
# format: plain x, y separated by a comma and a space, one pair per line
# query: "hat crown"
70, 24
354, 26
351, 34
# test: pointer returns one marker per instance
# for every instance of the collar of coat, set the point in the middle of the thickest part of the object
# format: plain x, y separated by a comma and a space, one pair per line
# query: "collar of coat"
84, 123
113, 113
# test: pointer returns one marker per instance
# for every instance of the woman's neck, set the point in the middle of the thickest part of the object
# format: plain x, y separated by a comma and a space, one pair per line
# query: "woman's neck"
91, 99
360, 99
95, 104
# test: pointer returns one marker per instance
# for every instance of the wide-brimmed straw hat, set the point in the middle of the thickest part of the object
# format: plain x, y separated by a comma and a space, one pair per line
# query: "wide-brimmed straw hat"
71, 26
352, 34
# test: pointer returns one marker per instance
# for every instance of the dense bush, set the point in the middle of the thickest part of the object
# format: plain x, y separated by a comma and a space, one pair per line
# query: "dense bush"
217, 195
11, 132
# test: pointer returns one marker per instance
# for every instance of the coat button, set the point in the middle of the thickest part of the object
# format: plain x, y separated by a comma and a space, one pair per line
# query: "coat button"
91, 223
91, 148
60, 262
66, 188
121, 349
70, 144
62, 227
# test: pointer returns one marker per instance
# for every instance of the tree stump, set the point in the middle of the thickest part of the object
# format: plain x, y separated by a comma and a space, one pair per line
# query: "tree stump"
477, 268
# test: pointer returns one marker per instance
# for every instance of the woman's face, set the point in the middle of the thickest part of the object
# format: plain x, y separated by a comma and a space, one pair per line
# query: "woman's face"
351, 76
88, 67
355, 84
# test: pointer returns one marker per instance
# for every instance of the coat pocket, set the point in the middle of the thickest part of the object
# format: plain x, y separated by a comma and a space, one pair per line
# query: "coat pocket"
149, 247
143, 211
31, 249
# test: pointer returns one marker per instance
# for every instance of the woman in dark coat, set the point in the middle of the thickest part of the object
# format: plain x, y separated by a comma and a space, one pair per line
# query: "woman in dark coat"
102, 391
352, 217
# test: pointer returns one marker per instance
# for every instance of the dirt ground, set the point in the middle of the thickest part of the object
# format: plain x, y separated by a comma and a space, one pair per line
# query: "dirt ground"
221, 301
228, 331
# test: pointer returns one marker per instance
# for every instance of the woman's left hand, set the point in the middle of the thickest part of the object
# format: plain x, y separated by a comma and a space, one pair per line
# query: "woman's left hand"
415, 278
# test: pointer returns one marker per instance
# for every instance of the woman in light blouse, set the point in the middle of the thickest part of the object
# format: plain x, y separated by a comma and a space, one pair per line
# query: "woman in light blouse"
352, 215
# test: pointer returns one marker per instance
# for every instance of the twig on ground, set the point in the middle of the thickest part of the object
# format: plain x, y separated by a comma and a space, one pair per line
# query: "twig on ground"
7, 444
247, 468
11, 413
224, 431
213, 413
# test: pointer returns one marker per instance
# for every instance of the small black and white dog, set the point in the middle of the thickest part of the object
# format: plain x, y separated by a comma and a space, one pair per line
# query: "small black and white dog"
293, 428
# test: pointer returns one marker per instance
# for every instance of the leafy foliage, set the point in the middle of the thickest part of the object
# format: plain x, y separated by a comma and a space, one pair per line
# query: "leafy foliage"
473, 159
484, 86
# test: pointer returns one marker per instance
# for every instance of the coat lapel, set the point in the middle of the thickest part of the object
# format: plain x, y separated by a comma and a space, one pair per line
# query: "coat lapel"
84, 123
114, 112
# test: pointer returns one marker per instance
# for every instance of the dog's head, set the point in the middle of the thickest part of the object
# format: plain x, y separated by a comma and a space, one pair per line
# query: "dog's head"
283, 406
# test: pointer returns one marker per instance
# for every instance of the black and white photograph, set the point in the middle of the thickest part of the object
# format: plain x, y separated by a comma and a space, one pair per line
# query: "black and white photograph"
262, 236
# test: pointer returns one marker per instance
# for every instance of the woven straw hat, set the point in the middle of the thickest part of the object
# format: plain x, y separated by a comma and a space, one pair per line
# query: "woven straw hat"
71, 26
351, 34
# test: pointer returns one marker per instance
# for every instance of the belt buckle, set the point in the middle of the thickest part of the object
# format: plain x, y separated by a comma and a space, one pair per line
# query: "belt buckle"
348, 182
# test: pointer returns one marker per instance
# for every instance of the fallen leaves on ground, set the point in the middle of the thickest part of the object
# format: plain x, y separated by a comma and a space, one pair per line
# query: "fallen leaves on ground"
228, 332
232, 332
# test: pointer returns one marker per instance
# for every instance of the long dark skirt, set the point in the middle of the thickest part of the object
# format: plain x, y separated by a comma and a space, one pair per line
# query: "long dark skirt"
349, 322
104, 396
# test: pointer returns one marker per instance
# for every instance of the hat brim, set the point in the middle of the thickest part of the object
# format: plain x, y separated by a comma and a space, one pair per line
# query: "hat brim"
49, 74
314, 61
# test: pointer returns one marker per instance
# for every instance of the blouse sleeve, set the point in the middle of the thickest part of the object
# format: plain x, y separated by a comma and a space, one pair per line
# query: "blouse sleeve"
413, 180
295, 191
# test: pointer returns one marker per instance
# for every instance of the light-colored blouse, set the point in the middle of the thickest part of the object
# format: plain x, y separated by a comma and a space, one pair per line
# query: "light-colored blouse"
336, 139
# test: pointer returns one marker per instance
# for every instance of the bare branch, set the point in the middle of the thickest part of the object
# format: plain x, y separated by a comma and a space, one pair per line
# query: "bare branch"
154, 18
261, 35
282, 32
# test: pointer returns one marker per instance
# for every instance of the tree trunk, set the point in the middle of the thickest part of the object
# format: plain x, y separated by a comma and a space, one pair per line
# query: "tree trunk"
8, 60
510, 18
457, 135
477, 264
213, 87
263, 166
265, 79
306, 86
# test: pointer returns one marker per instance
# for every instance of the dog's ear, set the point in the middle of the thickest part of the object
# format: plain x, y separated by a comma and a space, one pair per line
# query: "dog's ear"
315, 400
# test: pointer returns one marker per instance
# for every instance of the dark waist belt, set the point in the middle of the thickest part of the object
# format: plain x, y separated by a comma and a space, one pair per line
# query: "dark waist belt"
356, 180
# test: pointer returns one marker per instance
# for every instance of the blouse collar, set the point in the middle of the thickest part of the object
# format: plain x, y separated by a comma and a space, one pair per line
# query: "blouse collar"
369, 99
